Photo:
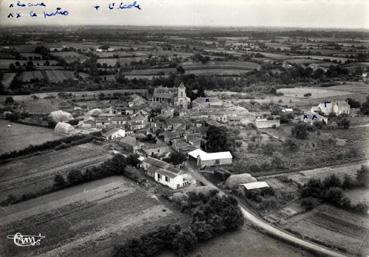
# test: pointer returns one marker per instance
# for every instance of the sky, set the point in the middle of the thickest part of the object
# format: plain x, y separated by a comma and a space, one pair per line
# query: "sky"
235, 13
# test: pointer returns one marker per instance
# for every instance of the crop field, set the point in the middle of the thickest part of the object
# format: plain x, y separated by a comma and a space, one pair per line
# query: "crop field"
108, 61
332, 226
35, 173
15, 136
222, 65
320, 173
31, 55
85, 220
127, 60
7, 79
53, 76
299, 92
245, 242
4, 63
150, 71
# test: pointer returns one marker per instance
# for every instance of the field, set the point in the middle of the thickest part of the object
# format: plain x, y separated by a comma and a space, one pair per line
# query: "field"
246, 242
150, 71
303, 176
333, 226
36, 173
315, 92
19, 136
53, 76
86, 220
358, 195
108, 61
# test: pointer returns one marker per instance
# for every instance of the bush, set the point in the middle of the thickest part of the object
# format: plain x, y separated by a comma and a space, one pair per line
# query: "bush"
353, 103
75, 177
59, 180
300, 131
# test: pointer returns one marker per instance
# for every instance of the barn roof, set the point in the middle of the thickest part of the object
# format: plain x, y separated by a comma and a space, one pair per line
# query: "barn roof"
210, 156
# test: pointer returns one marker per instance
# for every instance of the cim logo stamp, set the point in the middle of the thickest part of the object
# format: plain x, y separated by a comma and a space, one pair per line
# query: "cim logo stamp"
26, 240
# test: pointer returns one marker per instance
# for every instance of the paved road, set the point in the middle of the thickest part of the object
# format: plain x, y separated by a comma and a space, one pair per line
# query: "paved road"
260, 223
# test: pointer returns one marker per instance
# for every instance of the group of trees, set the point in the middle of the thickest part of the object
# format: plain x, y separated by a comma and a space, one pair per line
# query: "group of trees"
114, 166
331, 190
176, 158
219, 139
211, 216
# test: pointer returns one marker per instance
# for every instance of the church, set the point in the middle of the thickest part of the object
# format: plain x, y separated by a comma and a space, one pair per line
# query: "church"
172, 95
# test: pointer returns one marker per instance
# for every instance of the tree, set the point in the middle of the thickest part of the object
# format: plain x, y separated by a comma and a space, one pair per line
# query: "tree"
9, 100
365, 106
300, 131
219, 139
353, 103
332, 181
344, 123
75, 177
177, 158
59, 180
335, 196
184, 242
291, 145
362, 176
278, 160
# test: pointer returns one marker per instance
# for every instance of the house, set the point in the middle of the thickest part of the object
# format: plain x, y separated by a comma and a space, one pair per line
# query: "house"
336, 107
158, 149
115, 134
205, 159
267, 123
150, 165
170, 179
311, 117
174, 96
128, 144
164, 173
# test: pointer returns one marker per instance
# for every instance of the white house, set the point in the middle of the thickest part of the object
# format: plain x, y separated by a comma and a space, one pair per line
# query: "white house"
115, 133
170, 178
205, 159
265, 123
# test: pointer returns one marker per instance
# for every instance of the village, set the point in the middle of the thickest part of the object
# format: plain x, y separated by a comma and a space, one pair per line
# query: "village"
104, 131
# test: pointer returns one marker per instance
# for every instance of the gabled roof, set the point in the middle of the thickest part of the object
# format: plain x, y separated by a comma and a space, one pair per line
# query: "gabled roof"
156, 162
210, 156
167, 173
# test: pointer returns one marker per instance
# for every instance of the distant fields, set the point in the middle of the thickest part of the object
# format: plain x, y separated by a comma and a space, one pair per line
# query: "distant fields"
52, 76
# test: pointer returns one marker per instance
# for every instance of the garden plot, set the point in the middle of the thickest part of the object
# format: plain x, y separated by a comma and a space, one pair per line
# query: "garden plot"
36, 173
85, 220
334, 227
15, 136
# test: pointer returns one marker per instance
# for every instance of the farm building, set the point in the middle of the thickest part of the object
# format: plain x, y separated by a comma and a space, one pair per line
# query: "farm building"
205, 159
128, 144
159, 149
255, 185
336, 107
265, 123
115, 133
170, 178
164, 173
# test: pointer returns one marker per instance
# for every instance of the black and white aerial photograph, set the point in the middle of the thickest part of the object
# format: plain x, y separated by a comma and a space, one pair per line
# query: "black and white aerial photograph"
184, 128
